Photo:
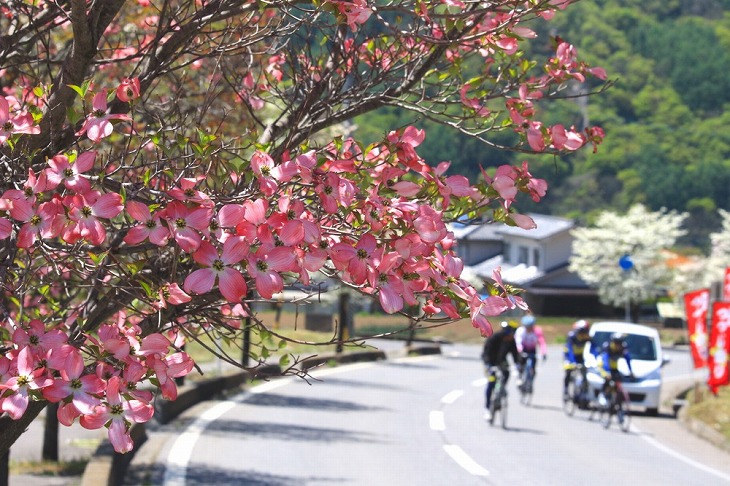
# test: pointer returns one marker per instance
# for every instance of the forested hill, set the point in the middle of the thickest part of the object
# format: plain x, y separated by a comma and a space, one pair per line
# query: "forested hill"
666, 118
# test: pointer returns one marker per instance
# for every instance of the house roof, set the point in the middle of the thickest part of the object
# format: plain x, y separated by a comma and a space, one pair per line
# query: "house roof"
472, 232
513, 274
547, 226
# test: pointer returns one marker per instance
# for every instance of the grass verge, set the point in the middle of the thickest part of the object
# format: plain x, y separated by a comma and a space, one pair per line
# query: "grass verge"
49, 468
713, 410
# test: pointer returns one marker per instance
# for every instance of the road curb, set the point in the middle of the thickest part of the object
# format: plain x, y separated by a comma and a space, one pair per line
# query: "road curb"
696, 426
108, 468
702, 430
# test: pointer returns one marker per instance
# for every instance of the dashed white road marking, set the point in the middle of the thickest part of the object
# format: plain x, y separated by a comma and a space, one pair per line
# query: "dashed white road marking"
464, 460
451, 397
479, 382
436, 420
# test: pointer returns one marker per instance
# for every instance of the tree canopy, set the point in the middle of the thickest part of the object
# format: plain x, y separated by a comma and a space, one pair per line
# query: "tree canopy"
622, 254
167, 163
664, 113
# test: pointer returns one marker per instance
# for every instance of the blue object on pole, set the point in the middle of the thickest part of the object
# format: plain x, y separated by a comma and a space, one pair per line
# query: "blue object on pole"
626, 263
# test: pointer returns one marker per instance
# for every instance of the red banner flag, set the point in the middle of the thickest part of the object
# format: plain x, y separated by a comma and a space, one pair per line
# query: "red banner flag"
719, 346
726, 286
696, 305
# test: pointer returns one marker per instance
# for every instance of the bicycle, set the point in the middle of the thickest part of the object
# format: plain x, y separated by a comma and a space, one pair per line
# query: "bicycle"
499, 397
614, 402
527, 378
577, 395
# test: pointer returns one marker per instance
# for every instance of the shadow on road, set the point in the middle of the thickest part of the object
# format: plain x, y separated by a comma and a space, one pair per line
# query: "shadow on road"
357, 384
551, 408
254, 431
403, 364
521, 430
205, 476
273, 400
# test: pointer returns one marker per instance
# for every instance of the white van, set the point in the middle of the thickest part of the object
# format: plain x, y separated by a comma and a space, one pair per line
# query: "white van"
647, 359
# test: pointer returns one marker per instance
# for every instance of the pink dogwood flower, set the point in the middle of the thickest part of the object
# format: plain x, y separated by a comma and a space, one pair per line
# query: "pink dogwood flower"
150, 227
85, 211
20, 123
35, 337
230, 281
265, 265
73, 383
61, 170
98, 123
187, 193
167, 369
40, 222
129, 89
186, 224
28, 379
173, 294
117, 414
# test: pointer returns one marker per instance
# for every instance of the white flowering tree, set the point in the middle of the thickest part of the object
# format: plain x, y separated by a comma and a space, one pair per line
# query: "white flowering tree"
622, 254
719, 257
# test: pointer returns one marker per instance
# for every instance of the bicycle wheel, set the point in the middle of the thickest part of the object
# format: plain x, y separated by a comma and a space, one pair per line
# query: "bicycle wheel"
605, 411
529, 383
503, 410
495, 405
623, 415
569, 398
525, 387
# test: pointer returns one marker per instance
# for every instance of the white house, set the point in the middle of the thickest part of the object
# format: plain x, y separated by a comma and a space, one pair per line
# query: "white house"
535, 260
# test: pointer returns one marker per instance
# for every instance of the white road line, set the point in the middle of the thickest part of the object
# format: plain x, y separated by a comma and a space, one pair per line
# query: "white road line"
464, 460
452, 396
479, 382
182, 449
677, 455
436, 420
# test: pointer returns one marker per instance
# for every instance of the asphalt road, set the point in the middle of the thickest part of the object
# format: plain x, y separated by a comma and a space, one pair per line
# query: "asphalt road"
419, 421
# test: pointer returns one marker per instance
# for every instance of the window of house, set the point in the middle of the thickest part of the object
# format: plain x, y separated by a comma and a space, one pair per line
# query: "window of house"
506, 251
536, 257
522, 255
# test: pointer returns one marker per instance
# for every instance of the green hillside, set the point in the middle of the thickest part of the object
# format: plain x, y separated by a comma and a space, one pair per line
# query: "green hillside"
666, 121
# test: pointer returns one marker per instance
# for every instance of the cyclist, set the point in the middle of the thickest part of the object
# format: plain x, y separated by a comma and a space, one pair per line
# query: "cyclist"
575, 343
613, 350
496, 349
529, 338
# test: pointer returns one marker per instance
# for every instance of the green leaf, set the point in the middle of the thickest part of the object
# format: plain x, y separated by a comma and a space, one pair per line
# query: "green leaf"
135, 267
77, 89
97, 259
147, 288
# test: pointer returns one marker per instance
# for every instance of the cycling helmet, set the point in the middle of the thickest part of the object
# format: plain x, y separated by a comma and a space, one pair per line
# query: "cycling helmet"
618, 341
528, 320
509, 325
581, 325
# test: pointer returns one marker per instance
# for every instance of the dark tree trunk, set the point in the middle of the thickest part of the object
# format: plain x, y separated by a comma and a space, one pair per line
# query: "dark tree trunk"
344, 329
50, 434
5, 469
11, 430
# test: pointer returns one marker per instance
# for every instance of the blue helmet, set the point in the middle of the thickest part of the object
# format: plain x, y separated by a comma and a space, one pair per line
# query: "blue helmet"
528, 320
